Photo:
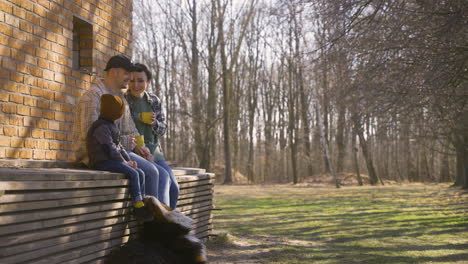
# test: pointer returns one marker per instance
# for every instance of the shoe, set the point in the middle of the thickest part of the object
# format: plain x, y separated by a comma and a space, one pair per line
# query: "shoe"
143, 214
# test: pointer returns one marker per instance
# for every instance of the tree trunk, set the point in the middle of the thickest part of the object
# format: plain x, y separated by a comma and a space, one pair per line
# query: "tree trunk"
355, 157
340, 143
365, 151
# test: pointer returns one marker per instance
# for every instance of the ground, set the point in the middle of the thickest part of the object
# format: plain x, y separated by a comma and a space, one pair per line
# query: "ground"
315, 223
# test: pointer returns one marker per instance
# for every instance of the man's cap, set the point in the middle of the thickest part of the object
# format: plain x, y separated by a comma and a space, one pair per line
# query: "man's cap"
119, 61
112, 106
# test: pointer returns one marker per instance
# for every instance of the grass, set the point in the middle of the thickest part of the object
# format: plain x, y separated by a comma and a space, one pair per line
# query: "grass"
310, 224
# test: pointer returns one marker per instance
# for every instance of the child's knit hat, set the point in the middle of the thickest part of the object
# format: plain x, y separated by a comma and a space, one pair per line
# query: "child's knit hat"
112, 106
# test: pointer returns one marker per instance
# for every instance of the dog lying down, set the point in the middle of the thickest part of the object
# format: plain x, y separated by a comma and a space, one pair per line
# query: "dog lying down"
165, 240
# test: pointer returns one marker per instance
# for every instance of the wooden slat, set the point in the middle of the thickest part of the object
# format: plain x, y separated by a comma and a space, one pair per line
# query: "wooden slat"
50, 239
12, 207
196, 183
195, 199
193, 189
70, 256
25, 196
43, 233
188, 196
187, 171
30, 216
58, 248
56, 222
53, 185
192, 178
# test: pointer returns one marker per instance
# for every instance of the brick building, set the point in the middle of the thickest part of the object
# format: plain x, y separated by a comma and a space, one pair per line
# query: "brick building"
48, 48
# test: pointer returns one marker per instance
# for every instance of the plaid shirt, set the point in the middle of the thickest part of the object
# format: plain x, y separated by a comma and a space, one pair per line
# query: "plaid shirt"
88, 110
159, 126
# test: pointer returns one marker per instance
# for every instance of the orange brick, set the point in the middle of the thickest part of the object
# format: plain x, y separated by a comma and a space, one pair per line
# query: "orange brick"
37, 133
29, 80
4, 96
40, 11
5, 51
31, 101
4, 142
28, 5
9, 108
10, 131
44, 124
4, 40
36, 92
29, 121
36, 112
23, 110
23, 89
19, 12
26, 26
16, 98
54, 145
48, 95
44, 3
42, 144
24, 132
12, 153
62, 155
23, 68
16, 77
42, 53
51, 155
26, 154
16, 120
38, 154
17, 142
48, 115
48, 75
9, 64
6, 29
2, 154
6, 7
43, 104
10, 86
54, 125
29, 143
49, 135
60, 116
12, 20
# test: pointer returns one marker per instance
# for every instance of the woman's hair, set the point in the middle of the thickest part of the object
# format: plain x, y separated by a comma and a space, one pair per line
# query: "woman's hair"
138, 67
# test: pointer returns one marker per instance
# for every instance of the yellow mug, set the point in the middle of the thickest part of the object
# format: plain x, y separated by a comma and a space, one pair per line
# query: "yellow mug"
140, 140
146, 117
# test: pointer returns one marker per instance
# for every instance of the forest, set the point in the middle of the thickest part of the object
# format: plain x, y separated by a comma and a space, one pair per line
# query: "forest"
280, 91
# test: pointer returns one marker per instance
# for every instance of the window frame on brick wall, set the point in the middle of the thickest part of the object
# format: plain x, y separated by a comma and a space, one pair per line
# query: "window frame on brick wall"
83, 45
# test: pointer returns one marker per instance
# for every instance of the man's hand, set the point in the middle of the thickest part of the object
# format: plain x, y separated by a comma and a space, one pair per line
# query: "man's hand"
132, 141
132, 164
153, 119
144, 152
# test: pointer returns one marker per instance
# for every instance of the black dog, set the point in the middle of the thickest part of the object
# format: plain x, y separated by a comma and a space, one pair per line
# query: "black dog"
165, 240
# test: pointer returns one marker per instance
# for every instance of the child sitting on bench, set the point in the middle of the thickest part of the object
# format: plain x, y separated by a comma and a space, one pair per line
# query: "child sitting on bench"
107, 154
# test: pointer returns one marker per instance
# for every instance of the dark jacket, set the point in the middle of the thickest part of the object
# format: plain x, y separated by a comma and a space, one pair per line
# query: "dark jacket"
102, 142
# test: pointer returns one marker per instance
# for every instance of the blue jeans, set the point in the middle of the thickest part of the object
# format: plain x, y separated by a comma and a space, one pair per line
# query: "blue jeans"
168, 186
136, 176
151, 174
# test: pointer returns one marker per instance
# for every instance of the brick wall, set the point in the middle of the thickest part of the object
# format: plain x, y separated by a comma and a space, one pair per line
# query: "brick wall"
39, 80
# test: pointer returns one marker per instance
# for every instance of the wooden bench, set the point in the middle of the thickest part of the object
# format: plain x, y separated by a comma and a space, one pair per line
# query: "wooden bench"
78, 216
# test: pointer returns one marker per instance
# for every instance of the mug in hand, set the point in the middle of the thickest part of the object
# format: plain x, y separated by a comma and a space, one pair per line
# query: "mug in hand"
140, 140
146, 117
